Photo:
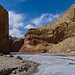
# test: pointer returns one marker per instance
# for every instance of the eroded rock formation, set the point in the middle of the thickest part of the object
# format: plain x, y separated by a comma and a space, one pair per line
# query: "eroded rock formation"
43, 38
4, 31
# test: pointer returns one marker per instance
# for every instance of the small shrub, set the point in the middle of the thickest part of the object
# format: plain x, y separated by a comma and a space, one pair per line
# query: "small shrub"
1, 54
18, 57
11, 55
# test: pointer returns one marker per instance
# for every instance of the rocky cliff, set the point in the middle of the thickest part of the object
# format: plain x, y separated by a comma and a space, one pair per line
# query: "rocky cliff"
42, 39
4, 31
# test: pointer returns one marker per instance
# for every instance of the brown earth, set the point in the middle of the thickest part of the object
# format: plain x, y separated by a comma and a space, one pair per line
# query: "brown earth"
44, 38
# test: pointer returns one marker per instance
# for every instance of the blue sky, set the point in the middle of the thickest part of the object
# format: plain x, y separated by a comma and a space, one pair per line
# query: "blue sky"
25, 14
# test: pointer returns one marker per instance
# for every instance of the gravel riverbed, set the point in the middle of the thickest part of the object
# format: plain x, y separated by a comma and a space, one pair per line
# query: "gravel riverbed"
13, 66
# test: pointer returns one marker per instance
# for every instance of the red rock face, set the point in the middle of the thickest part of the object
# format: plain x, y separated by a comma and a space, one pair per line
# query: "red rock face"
4, 31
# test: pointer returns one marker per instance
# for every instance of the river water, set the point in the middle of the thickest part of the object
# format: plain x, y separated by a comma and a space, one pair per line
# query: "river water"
51, 64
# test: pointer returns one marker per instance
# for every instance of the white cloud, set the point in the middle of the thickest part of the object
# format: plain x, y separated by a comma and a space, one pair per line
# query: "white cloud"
44, 19
15, 33
29, 26
15, 20
38, 21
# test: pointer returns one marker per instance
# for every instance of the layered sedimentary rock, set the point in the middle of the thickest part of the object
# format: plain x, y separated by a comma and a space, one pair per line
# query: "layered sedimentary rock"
4, 31
42, 39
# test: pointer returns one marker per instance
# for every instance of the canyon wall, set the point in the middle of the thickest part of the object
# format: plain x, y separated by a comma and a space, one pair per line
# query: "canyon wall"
4, 31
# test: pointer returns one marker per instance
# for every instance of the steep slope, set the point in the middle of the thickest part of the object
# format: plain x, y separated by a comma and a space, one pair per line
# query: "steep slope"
66, 46
43, 38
